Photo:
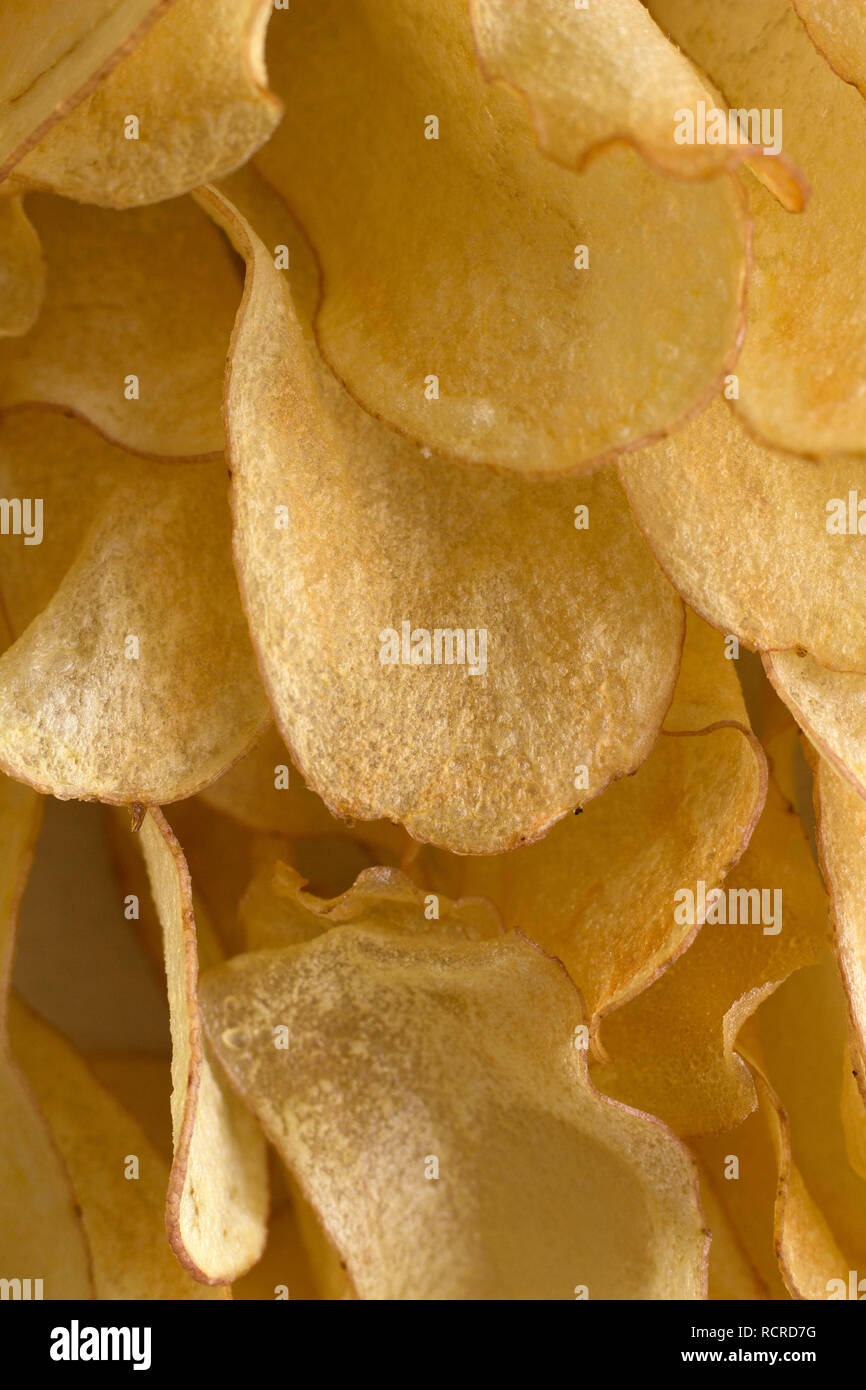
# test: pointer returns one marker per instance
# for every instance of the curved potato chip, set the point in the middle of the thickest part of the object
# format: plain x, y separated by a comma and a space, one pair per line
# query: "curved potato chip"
598, 891
265, 792
284, 1270
197, 88
804, 357
141, 1083
822, 1216
22, 271
854, 1106
40, 1231
742, 531
830, 706
731, 1273
605, 75
517, 333
135, 325
467, 757
216, 1209
672, 1049
116, 691
50, 66
541, 1186
123, 1217
838, 30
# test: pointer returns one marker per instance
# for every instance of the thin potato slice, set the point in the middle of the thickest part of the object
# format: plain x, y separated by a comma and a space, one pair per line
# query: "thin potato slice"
598, 891
49, 67
197, 86
838, 30
581, 670
606, 74
672, 1049
830, 706
122, 1213
40, 1232
135, 325
216, 1211
804, 358
482, 335
22, 272
742, 531
534, 1184
134, 680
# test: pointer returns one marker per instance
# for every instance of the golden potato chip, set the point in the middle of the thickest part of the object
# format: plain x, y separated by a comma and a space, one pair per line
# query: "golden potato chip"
731, 1273
119, 1179
540, 320
830, 706
135, 325
598, 891
399, 664
804, 358
266, 792
134, 680
216, 1210
521, 1182
838, 30
742, 531
141, 1082
188, 104
605, 74
284, 1270
672, 1049
22, 272
50, 66
41, 1238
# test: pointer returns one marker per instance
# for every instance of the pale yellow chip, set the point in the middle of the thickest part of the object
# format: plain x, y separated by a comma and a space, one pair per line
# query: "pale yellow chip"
142, 1084
743, 531
830, 706
134, 680
838, 30
22, 272
598, 891
119, 1179
804, 359
50, 66
216, 1211
135, 325
196, 86
460, 660
431, 1102
540, 319
604, 74
673, 1049
41, 1237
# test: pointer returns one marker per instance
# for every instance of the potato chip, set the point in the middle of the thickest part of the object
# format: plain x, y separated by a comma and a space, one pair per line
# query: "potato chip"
135, 325
432, 725
22, 273
40, 1232
141, 1082
50, 67
743, 532
605, 74
196, 87
216, 1210
134, 680
830, 706
598, 891
521, 1182
838, 30
731, 1273
802, 366
672, 1049
118, 1178
539, 321
284, 1270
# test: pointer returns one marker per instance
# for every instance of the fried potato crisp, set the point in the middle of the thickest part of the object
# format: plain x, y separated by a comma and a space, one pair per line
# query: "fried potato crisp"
131, 678
135, 325
521, 1182
598, 891
197, 87
742, 531
540, 320
830, 706
802, 365
22, 273
509, 596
